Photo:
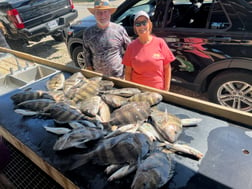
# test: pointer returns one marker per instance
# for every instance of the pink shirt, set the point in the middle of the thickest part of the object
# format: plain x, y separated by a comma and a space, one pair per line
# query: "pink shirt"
147, 61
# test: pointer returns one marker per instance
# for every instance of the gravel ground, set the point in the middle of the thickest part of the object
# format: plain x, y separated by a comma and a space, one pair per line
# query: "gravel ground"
55, 51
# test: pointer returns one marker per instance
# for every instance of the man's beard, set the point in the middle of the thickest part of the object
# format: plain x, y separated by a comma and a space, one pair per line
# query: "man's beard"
106, 23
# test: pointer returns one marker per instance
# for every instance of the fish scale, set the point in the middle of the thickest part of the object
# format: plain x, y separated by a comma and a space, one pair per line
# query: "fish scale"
151, 97
77, 138
87, 90
153, 172
63, 113
56, 82
36, 104
168, 126
130, 113
30, 95
73, 80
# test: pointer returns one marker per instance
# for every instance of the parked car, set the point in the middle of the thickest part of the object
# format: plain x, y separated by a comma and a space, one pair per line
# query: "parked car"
211, 39
31, 20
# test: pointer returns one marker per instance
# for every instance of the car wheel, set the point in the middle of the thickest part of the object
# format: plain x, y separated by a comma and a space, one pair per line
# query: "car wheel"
78, 59
58, 36
232, 89
18, 44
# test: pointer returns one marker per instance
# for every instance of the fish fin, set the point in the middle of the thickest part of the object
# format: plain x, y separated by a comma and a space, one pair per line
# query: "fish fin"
122, 172
172, 165
79, 160
81, 145
190, 121
166, 115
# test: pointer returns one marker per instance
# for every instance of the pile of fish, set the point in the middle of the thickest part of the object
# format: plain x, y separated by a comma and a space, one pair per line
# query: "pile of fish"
129, 133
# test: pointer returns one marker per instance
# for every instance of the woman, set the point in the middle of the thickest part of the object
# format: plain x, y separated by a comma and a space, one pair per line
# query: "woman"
147, 59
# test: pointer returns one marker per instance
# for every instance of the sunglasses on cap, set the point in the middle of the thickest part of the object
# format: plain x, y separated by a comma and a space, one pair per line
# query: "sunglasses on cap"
138, 24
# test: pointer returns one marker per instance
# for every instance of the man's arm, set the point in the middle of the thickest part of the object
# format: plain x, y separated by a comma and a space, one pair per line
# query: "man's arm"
87, 54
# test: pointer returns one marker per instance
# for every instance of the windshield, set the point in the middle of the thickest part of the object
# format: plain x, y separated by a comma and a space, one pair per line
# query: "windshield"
145, 5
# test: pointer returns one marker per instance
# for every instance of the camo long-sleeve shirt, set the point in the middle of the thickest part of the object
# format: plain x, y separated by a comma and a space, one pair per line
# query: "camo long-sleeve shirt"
103, 49
3, 42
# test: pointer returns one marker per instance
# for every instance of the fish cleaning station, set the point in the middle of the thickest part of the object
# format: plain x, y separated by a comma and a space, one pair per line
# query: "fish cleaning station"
74, 128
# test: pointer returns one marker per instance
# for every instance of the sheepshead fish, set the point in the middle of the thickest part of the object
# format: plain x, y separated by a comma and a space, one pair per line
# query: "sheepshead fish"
90, 106
168, 126
57, 130
73, 80
38, 105
71, 92
153, 172
104, 112
116, 150
84, 123
58, 96
130, 128
150, 131
95, 78
122, 172
151, 97
87, 90
30, 95
106, 85
114, 101
124, 92
130, 113
56, 82
181, 148
64, 113
77, 138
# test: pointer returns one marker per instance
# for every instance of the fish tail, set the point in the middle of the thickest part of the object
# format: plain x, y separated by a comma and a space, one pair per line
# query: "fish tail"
79, 160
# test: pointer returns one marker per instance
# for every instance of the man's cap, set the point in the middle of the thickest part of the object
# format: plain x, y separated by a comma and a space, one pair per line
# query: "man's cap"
102, 5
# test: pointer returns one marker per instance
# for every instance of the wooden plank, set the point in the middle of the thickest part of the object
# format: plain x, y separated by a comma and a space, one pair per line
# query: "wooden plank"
42, 164
215, 110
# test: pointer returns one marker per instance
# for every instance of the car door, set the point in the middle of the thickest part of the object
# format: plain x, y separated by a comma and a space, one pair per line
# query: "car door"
200, 34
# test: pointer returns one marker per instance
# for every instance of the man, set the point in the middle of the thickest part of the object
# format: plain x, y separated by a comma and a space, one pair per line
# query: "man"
105, 42
3, 42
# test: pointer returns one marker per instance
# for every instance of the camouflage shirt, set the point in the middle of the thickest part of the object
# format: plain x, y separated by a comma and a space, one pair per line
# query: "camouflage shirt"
103, 49
3, 42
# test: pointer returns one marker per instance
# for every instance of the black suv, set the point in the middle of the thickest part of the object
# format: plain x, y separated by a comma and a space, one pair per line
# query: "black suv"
212, 41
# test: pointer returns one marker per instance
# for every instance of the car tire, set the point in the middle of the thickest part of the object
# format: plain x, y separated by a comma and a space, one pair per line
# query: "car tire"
78, 57
232, 89
17, 44
58, 37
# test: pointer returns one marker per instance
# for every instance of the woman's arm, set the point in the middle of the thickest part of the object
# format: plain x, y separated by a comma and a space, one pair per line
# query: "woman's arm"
128, 72
167, 77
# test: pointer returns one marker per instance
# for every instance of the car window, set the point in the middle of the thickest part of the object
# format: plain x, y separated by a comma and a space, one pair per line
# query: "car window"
127, 17
240, 15
207, 14
218, 17
182, 13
